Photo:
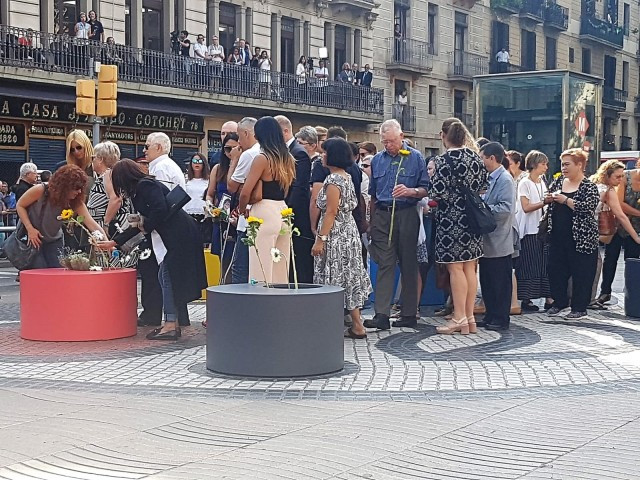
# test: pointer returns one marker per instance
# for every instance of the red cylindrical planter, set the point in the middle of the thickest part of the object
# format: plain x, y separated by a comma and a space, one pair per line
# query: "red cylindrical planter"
58, 305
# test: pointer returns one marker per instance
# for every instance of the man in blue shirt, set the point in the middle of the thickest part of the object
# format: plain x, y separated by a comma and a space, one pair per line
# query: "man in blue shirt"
398, 177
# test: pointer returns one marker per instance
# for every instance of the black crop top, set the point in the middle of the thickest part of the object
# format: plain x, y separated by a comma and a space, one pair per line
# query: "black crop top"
272, 190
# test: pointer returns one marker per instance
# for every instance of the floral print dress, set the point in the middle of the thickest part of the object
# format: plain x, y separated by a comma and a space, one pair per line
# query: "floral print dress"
341, 262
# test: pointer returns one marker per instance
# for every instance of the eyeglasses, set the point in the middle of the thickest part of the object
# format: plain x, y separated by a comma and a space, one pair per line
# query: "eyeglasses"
147, 147
76, 149
304, 144
196, 161
227, 149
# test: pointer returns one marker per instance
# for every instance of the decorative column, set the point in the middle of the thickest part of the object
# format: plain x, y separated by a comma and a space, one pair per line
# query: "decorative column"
240, 21
213, 16
248, 33
297, 40
349, 49
85, 6
168, 22
276, 40
46, 15
330, 43
136, 24
181, 21
357, 47
306, 39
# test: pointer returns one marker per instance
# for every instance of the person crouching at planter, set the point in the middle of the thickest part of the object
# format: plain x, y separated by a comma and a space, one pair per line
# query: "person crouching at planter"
176, 242
40, 208
272, 173
337, 249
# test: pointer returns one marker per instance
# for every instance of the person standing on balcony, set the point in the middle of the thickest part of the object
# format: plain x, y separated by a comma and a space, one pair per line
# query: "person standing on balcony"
502, 58
397, 43
216, 53
346, 75
402, 109
366, 77
265, 72
355, 72
97, 30
202, 59
83, 28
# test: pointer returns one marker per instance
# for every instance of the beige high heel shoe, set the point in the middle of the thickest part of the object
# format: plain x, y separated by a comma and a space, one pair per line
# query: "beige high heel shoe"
454, 326
472, 325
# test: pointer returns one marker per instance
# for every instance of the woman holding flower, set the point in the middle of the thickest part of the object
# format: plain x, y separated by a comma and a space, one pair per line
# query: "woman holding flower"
272, 173
41, 211
337, 248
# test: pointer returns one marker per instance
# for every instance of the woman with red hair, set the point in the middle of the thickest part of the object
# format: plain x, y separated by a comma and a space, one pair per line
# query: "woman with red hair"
40, 207
573, 233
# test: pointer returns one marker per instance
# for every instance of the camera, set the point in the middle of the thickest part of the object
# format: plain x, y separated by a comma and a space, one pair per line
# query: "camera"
175, 42
310, 63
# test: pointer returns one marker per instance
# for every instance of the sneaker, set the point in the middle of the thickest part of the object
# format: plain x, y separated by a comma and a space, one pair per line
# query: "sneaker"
573, 315
555, 311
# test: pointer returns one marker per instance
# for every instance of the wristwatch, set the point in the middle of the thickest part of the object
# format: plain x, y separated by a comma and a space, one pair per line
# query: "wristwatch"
417, 190
324, 238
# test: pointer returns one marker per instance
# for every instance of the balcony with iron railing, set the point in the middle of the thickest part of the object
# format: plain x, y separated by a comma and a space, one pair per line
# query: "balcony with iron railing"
406, 115
465, 65
556, 16
503, 67
532, 10
626, 143
608, 142
601, 31
614, 98
63, 54
507, 6
409, 54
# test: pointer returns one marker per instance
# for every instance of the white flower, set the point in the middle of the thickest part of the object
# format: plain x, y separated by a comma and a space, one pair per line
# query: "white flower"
119, 228
98, 235
276, 255
95, 268
145, 254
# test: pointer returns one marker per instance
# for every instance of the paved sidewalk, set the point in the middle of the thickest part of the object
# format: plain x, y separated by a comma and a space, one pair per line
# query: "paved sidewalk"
550, 399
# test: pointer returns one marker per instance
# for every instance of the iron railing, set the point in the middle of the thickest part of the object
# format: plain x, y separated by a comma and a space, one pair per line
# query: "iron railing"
407, 51
608, 142
614, 97
556, 16
532, 8
406, 115
61, 53
511, 6
468, 65
626, 143
602, 30
502, 67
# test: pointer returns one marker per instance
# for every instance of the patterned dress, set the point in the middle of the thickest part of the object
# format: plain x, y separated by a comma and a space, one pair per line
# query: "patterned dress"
341, 262
454, 241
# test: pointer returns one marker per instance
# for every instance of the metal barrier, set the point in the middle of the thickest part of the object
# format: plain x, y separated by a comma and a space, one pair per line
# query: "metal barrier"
60, 53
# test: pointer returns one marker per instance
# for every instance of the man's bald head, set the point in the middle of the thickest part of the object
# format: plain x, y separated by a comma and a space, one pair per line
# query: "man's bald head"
228, 127
285, 126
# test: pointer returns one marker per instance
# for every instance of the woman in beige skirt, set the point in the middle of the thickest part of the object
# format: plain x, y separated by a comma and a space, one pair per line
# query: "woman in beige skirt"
272, 173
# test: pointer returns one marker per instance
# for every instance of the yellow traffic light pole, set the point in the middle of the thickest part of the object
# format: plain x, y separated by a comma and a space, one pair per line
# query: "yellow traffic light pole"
107, 97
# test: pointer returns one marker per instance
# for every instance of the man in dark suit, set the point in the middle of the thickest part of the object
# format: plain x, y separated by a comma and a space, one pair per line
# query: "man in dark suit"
366, 77
298, 199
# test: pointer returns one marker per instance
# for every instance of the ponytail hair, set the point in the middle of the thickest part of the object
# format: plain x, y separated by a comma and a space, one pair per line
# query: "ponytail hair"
457, 135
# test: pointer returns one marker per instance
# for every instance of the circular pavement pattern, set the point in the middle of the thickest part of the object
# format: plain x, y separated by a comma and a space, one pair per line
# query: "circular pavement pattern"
539, 355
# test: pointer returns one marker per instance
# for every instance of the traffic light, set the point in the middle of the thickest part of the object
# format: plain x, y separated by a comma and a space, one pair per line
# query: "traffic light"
108, 91
85, 97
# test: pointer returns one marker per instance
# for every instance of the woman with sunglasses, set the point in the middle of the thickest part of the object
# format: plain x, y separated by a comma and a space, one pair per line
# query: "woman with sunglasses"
80, 151
196, 187
217, 190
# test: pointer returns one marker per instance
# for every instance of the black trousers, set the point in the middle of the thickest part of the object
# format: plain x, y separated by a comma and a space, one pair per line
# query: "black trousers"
631, 248
151, 294
611, 256
304, 261
403, 250
495, 281
564, 263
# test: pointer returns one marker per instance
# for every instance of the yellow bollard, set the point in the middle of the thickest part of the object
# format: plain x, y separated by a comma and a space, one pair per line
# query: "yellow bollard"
212, 263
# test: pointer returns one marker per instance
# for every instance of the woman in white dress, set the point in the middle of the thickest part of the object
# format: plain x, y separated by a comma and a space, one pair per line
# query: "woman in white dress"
264, 64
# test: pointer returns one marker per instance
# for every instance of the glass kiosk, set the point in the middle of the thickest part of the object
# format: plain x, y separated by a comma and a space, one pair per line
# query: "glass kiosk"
548, 111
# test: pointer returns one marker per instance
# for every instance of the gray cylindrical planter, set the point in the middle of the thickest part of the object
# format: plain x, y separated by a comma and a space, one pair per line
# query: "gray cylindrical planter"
255, 331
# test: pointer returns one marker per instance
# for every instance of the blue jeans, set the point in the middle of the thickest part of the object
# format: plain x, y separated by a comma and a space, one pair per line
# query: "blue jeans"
170, 312
47, 256
240, 267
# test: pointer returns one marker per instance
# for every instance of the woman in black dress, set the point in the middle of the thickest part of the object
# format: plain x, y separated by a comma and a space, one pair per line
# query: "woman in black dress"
182, 271
456, 246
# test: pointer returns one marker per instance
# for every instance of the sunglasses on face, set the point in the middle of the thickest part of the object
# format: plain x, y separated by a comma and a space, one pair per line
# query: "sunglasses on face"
227, 149
146, 147
196, 161
76, 149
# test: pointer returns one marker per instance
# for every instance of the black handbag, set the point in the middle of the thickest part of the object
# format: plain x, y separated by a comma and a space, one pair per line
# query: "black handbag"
543, 227
479, 217
176, 199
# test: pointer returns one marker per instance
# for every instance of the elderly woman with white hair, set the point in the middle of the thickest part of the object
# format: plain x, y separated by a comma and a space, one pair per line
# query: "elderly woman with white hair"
28, 178
104, 204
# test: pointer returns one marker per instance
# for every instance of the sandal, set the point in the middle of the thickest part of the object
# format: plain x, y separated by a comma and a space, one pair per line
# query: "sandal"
453, 326
157, 334
351, 334
597, 306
